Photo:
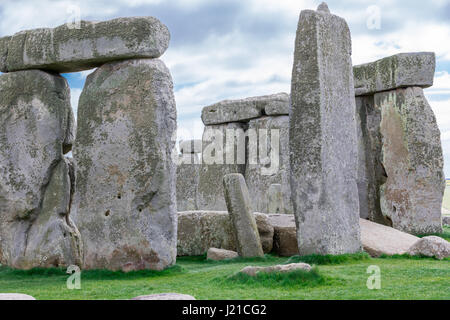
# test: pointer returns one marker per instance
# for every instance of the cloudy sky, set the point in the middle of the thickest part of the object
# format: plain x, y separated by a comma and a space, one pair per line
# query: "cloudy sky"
240, 48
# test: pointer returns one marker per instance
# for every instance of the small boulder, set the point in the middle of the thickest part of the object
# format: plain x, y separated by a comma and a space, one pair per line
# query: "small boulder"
431, 246
220, 254
253, 270
165, 296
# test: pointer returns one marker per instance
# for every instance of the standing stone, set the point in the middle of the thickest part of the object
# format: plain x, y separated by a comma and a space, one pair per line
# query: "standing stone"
89, 45
271, 167
412, 195
223, 153
371, 173
322, 137
125, 202
276, 203
36, 124
240, 209
188, 172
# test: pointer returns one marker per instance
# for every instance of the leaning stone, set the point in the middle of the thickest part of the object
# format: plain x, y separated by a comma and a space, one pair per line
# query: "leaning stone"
125, 202
165, 296
272, 165
188, 174
285, 235
35, 131
241, 212
415, 69
378, 239
218, 159
15, 296
200, 230
431, 246
412, 195
245, 109
322, 133
220, 254
371, 173
282, 268
191, 146
67, 49
4, 53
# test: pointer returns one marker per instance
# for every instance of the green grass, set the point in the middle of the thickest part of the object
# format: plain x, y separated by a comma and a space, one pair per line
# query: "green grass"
338, 277
329, 259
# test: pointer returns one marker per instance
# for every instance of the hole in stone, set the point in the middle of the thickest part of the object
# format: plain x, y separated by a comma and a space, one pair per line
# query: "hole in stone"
119, 196
107, 213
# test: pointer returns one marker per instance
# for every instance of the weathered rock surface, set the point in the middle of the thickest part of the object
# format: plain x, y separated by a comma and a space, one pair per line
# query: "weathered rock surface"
188, 174
411, 197
36, 124
65, 49
4, 53
379, 239
219, 157
191, 146
446, 221
245, 109
241, 212
322, 133
272, 166
200, 230
285, 235
15, 296
371, 173
283, 268
165, 296
415, 69
431, 246
220, 254
125, 202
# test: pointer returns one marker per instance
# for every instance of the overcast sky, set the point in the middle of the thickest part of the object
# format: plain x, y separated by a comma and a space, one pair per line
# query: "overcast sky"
241, 48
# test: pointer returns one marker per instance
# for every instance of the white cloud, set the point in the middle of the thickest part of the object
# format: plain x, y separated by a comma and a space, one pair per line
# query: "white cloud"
74, 97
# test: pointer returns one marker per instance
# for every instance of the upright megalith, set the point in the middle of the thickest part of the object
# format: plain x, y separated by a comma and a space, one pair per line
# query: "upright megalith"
411, 197
125, 203
71, 48
188, 173
240, 209
36, 124
322, 136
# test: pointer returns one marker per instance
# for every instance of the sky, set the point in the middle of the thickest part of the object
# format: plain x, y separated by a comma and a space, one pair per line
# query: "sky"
240, 48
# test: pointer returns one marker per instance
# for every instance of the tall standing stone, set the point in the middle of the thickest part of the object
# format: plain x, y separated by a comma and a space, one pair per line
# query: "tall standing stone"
188, 170
223, 153
240, 209
125, 202
322, 136
36, 129
411, 197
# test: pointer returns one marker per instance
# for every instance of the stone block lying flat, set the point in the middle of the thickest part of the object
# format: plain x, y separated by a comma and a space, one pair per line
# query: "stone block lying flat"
397, 71
220, 254
15, 296
285, 236
282, 268
65, 49
165, 296
378, 239
245, 109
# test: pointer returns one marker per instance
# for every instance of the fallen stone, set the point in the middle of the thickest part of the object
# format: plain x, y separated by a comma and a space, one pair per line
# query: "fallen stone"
446, 221
220, 254
285, 235
15, 296
272, 166
36, 124
431, 246
218, 159
379, 239
322, 137
245, 109
191, 146
66, 49
125, 202
412, 195
200, 230
283, 268
165, 296
188, 175
415, 69
241, 212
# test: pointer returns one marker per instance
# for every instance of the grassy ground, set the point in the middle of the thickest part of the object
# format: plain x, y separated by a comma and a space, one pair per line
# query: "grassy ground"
341, 277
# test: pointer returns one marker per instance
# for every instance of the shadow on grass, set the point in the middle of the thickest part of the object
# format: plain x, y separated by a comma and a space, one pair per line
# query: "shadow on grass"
330, 259
90, 274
